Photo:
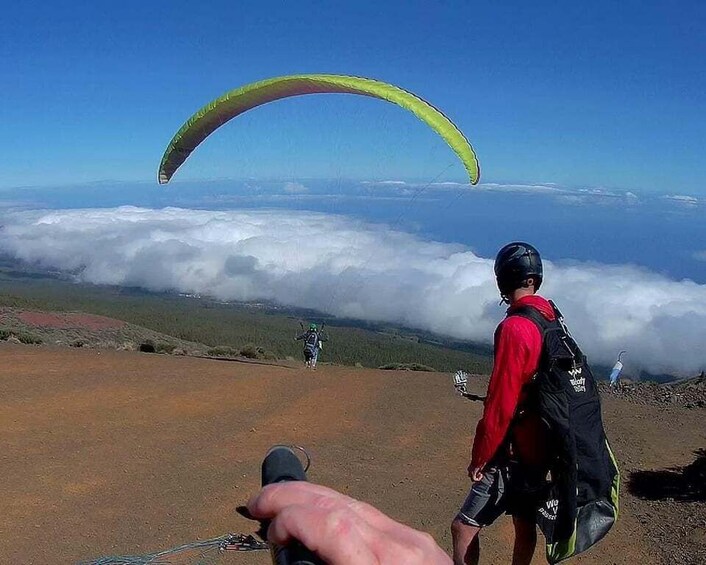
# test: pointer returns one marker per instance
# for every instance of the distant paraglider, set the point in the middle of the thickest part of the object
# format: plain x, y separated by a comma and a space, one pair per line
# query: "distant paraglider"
460, 380
233, 103
313, 343
617, 369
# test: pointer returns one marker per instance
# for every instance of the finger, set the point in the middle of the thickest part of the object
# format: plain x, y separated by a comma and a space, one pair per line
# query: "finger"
341, 536
380, 521
336, 536
322, 511
273, 498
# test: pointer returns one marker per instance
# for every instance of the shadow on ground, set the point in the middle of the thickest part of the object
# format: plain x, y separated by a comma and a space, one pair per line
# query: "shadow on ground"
687, 484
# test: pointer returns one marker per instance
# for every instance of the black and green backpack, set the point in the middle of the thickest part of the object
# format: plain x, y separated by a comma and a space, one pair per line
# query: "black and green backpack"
581, 501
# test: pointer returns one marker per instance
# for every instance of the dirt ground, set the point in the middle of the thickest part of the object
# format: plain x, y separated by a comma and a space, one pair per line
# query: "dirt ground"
119, 452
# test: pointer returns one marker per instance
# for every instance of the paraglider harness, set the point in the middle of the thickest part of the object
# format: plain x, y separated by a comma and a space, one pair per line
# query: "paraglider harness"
580, 502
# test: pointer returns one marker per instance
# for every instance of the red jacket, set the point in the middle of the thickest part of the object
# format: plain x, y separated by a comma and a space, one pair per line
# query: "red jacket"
518, 347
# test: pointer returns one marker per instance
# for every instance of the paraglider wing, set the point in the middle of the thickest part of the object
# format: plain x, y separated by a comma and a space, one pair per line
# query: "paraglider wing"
233, 103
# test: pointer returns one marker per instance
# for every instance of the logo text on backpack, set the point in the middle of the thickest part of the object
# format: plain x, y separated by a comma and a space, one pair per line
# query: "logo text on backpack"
549, 510
578, 382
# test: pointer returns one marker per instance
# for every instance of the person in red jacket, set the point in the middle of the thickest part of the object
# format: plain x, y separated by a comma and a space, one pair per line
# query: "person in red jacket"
509, 450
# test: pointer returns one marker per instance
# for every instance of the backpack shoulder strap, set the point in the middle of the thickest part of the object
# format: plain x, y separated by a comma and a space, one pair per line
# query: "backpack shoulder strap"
533, 315
557, 343
530, 403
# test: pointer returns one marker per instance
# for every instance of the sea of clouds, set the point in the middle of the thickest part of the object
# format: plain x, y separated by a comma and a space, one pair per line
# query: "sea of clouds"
352, 268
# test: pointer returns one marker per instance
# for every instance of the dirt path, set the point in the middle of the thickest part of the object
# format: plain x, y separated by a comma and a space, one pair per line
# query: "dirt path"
124, 452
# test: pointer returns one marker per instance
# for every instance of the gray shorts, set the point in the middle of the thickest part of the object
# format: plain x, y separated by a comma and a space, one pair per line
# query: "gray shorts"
503, 489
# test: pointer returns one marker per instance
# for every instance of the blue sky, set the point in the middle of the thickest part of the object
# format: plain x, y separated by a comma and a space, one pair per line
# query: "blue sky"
601, 94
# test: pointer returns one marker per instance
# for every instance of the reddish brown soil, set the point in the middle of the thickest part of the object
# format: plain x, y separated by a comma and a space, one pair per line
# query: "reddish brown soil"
119, 452
70, 320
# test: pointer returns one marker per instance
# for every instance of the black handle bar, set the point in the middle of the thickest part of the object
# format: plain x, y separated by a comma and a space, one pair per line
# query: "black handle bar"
282, 464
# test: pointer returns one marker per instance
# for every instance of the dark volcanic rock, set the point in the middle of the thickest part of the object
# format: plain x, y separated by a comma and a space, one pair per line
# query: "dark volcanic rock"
688, 393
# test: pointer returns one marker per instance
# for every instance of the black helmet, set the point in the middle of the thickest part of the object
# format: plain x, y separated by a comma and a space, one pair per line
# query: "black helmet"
514, 264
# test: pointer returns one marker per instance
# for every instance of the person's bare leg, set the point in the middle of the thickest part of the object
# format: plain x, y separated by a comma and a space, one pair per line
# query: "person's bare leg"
525, 541
465, 542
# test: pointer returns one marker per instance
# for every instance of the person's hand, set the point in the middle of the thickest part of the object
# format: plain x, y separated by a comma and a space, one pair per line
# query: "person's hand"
475, 473
340, 529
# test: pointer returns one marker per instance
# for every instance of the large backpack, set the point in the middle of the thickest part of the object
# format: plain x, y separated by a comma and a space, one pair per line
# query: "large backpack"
581, 501
311, 342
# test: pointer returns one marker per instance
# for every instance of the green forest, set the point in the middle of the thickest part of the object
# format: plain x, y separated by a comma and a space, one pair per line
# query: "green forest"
227, 327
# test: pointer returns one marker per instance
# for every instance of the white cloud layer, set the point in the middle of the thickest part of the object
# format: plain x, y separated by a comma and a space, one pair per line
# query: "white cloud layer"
350, 268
